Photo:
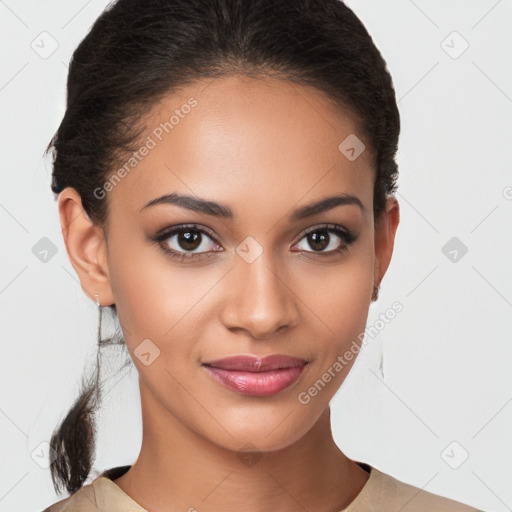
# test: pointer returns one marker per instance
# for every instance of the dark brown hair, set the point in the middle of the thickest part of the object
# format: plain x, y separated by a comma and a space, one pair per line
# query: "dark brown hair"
139, 51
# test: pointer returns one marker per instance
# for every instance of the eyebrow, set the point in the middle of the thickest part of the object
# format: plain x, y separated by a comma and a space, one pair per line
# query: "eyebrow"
218, 210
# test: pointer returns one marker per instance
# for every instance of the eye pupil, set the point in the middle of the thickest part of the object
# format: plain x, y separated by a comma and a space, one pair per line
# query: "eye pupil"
188, 240
320, 238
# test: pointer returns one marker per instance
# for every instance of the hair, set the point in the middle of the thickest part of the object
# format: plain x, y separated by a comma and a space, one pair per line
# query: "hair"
139, 51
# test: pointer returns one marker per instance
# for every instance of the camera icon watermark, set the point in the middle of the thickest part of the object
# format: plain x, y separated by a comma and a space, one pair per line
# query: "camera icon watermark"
454, 45
352, 147
454, 249
43, 455
146, 352
454, 455
249, 455
249, 250
44, 44
44, 250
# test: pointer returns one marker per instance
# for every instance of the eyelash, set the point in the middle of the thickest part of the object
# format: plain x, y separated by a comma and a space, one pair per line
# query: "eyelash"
347, 237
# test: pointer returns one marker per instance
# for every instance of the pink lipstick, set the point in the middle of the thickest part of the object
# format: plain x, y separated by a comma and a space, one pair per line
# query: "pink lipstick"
251, 375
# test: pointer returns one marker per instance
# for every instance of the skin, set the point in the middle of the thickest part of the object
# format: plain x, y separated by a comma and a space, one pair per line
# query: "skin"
263, 148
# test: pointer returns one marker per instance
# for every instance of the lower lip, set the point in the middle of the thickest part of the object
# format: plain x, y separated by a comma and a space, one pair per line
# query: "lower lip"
257, 383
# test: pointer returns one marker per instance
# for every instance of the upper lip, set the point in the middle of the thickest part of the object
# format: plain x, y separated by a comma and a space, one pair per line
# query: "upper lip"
256, 364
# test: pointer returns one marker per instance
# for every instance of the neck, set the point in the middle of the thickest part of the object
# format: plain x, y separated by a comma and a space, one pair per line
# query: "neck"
177, 469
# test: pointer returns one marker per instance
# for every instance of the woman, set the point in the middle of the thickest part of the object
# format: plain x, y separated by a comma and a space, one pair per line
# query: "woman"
225, 172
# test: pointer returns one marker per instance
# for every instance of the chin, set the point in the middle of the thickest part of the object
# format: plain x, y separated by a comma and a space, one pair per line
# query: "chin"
268, 433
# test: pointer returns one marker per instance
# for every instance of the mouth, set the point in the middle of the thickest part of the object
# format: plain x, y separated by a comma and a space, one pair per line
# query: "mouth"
253, 376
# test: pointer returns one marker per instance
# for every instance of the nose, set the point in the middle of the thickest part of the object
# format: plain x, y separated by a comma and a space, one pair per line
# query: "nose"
258, 299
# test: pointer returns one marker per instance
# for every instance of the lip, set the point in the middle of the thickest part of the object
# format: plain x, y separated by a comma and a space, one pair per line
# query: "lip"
256, 364
255, 376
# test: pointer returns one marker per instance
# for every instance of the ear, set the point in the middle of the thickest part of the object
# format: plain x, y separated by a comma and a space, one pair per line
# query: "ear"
385, 232
86, 247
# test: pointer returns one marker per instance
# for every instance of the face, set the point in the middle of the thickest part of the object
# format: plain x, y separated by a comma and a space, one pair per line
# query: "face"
251, 271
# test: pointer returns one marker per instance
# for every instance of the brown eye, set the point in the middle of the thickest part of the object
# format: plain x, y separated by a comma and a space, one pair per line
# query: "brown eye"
326, 239
189, 239
187, 242
318, 240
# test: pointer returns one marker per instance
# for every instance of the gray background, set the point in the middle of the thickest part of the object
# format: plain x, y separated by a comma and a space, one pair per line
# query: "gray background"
440, 414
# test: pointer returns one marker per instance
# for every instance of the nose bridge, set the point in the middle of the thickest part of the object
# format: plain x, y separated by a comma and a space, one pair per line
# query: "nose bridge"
260, 301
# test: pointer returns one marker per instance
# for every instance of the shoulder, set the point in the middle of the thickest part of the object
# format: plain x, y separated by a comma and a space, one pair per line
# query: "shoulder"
101, 495
83, 500
398, 495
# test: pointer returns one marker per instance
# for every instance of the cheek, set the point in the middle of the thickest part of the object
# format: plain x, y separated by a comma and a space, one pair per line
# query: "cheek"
138, 282
337, 310
347, 310
157, 300
339, 297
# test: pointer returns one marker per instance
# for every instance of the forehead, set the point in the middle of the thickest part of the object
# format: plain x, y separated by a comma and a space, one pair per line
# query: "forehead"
237, 139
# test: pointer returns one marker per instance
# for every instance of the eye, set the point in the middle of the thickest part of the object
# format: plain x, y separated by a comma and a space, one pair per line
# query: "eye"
194, 243
187, 242
327, 239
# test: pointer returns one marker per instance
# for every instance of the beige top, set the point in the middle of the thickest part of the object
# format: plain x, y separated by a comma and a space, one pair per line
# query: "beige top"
381, 493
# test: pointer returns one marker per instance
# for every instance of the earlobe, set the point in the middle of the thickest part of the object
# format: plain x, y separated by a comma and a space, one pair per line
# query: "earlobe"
86, 246
385, 233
